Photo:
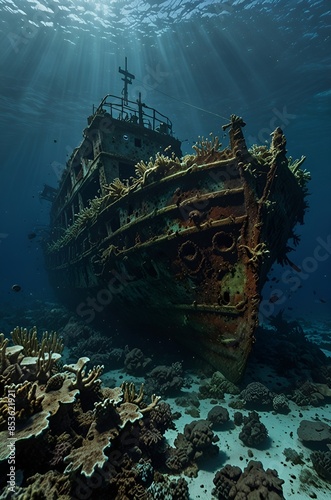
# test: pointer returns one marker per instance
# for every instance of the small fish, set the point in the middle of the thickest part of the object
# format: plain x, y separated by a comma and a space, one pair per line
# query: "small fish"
16, 288
274, 298
55, 140
31, 236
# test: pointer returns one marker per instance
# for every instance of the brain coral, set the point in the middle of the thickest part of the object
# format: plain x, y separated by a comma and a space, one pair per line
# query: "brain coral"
256, 395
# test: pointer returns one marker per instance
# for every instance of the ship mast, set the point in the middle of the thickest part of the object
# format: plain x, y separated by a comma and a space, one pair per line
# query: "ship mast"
128, 77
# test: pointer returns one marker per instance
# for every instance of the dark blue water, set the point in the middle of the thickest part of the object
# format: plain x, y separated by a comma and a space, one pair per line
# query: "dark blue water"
197, 62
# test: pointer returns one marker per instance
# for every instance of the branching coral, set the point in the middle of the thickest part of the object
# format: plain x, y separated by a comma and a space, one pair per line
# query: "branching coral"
302, 176
141, 167
51, 485
3, 360
155, 400
205, 147
150, 440
30, 359
23, 399
83, 380
27, 338
129, 393
264, 156
161, 165
86, 215
116, 189
45, 364
261, 153
50, 342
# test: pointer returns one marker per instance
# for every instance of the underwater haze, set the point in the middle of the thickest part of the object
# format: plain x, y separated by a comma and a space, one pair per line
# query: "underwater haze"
197, 62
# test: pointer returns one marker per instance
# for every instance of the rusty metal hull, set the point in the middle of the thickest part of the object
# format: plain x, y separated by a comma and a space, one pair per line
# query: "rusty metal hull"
187, 248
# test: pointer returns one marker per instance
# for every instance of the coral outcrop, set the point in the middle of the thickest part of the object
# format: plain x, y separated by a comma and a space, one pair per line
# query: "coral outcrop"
257, 396
165, 380
314, 433
216, 386
280, 404
321, 461
191, 447
253, 433
253, 482
218, 416
136, 362
310, 393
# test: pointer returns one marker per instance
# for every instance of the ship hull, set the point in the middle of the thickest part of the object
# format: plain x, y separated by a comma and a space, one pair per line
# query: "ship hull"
187, 250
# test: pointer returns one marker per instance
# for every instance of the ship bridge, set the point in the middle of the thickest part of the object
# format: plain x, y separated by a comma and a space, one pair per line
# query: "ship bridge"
119, 134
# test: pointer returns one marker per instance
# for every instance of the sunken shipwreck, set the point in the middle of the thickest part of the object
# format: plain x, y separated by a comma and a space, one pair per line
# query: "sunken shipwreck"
182, 243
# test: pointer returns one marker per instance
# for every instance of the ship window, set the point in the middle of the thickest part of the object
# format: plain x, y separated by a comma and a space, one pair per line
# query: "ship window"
137, 142
226, 297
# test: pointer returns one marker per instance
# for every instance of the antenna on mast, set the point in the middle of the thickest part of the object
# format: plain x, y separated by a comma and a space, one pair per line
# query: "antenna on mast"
128, 77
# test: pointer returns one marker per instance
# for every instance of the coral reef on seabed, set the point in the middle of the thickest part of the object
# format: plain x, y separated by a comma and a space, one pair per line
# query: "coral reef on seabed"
77, 438
76, 431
